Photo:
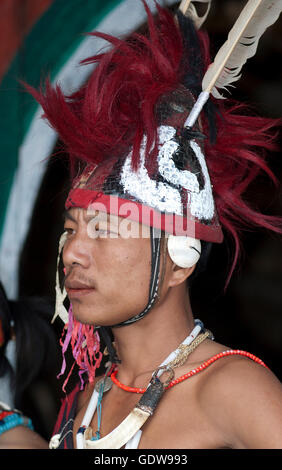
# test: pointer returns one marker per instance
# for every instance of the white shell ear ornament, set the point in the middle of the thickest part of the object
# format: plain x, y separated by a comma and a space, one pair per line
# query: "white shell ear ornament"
184, 251
61, 294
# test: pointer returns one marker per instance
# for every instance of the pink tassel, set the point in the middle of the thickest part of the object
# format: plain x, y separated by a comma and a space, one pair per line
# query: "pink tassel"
85, 344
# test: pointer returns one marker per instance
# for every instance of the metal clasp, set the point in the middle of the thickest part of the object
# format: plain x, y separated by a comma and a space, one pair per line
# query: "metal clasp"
165, 369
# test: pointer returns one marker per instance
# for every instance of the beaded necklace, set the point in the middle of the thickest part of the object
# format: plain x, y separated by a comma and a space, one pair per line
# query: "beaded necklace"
128, 433
119, 436
195, 371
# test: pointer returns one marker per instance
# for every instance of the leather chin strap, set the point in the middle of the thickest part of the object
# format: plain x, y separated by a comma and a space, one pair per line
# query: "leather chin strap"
155, 236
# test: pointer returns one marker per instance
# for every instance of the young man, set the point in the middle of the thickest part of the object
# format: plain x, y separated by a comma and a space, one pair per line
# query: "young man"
235, 403
149, 197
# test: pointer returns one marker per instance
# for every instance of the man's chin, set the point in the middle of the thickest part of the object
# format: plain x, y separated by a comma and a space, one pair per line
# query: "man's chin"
97, 319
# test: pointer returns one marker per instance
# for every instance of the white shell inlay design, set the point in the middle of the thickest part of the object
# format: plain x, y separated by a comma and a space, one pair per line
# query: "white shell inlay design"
162, 196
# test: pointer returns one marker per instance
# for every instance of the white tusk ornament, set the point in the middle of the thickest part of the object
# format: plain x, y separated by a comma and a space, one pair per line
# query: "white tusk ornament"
120, 435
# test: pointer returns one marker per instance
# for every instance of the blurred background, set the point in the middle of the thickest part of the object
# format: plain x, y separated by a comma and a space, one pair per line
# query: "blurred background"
47, 37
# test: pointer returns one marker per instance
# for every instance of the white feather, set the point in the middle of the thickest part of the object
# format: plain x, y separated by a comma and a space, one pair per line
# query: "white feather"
241, 44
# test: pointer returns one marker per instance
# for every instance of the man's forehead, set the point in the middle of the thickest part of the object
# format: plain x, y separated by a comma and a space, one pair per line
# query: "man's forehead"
100, 215
88, 214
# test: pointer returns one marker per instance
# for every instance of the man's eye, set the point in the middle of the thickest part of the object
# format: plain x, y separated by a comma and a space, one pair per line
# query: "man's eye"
102, 232
105, 233
69, 230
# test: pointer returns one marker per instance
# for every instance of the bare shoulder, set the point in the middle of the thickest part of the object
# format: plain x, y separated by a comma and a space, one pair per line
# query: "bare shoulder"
244, 400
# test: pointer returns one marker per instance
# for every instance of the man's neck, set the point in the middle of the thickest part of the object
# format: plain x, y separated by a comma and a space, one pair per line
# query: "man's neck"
144, 345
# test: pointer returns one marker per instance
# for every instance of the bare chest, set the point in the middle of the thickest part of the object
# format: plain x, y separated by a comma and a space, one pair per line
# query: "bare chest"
178, 421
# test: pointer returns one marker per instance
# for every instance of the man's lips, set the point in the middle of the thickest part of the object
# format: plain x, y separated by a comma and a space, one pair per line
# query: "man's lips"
78, 289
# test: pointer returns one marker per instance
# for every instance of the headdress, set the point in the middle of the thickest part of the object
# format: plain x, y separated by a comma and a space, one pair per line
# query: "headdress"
128, 140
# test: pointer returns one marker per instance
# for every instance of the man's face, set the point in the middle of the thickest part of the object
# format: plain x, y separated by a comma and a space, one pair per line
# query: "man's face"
107, 273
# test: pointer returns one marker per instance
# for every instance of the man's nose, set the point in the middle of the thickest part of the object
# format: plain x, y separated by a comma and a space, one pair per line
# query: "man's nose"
77, 250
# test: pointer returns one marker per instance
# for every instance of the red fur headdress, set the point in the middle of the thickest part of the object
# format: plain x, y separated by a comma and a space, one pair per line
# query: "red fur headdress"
140, 84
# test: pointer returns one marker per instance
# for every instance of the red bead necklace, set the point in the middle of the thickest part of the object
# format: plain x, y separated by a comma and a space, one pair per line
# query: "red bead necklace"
192, 372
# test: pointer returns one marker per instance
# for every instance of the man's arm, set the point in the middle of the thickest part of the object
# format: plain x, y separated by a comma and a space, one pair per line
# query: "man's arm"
22, 437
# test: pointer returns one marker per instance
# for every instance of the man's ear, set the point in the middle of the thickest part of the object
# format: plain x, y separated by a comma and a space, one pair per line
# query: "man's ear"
179, 275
